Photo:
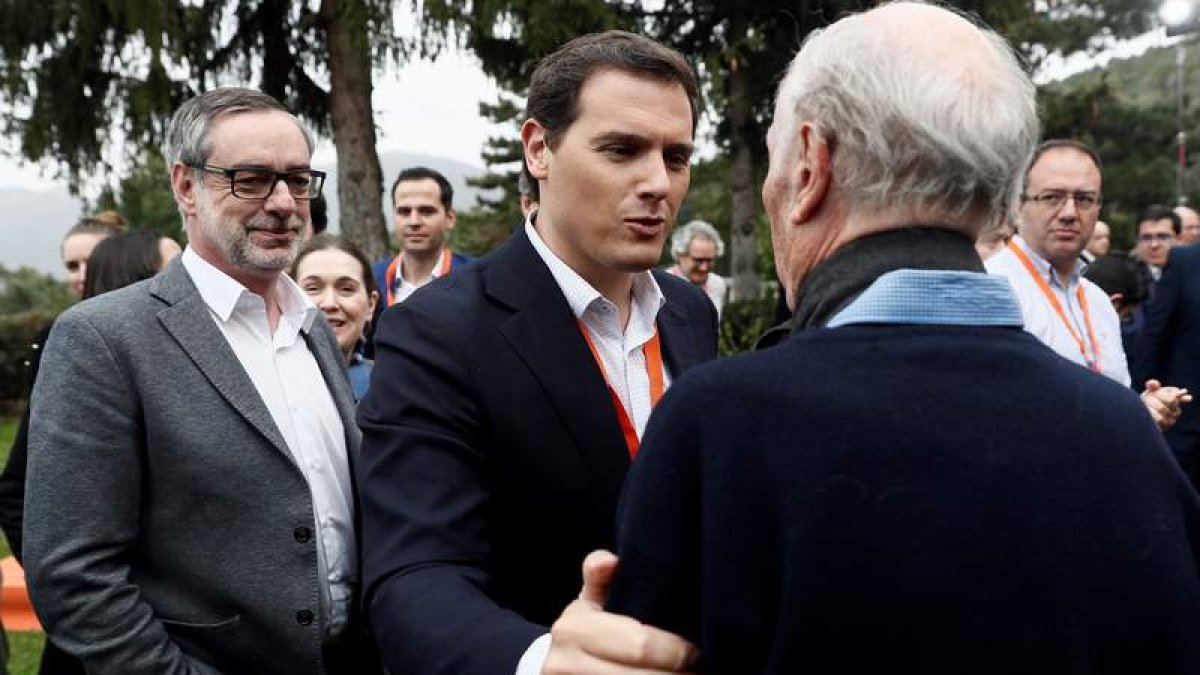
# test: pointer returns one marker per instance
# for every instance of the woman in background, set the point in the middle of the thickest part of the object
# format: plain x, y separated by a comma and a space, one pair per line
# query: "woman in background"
116, 260
78, 244
336, 276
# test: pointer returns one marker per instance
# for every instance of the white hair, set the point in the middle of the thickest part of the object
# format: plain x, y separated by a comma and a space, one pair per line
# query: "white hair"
682, 239
903, 134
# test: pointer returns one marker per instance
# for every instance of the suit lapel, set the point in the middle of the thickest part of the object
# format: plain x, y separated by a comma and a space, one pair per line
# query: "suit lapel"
543, 331
324, 349
188, 321
680, 342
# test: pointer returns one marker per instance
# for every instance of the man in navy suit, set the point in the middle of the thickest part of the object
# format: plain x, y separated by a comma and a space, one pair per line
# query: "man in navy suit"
508, 398
1169, 346
910, 483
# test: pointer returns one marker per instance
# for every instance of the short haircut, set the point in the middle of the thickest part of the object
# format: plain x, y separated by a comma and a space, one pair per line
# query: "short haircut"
187, 135
1157, 212
557, 81
905, 134
682, 239
327, 240
1118, 273
1061, 144
122, 259
445, 190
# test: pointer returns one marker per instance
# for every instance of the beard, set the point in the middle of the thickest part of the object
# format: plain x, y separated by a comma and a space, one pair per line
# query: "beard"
233, 239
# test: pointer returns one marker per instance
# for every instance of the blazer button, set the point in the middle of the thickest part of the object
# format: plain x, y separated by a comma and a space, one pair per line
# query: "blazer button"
302, 534
304, 617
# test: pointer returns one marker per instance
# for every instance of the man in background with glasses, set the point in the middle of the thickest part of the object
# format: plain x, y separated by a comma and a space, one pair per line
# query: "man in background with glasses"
1071, 315
1157, 230
189, 504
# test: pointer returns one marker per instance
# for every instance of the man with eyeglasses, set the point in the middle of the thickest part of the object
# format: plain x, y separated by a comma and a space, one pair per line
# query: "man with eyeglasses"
189, 503
696, 247
1071, 315
1158, 230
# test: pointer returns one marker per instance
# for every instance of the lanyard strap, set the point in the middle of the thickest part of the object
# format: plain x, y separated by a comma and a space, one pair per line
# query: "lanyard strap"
393, 268
1093, 360
654, 371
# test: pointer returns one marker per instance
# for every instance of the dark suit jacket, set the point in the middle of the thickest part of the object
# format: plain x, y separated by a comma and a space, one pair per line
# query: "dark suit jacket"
167, 527
1169, 343
492, 460
911, 499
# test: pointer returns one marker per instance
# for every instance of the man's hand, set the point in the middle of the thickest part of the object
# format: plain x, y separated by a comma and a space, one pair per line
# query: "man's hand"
1164, 403
586, 639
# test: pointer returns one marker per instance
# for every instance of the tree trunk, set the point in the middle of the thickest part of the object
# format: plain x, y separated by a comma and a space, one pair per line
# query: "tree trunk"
360, 179
743, 242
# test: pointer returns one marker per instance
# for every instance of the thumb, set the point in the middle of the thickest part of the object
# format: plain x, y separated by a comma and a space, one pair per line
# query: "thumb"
1152, 386
598, 570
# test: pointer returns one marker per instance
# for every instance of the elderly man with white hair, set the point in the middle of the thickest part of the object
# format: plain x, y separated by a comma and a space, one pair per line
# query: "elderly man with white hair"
696, 247
910, 483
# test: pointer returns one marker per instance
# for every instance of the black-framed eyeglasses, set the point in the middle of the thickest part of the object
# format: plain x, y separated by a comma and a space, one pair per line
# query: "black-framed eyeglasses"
303, 184
1056, 199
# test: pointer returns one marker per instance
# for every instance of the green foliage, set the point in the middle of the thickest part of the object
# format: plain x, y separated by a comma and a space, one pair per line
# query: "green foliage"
25, 651
17, 333
144, 198
26, 289
743, 322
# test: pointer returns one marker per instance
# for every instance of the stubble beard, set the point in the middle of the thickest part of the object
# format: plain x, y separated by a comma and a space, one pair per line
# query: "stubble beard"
233, 239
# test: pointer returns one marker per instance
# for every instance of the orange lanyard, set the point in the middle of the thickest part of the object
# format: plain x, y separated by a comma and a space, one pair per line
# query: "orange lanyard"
654, 371
393, 268
1092, 361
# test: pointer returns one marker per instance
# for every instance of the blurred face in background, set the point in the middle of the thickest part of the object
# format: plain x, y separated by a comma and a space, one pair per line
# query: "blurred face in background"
334, 281
697, 263
1190, 233
1101, 239
1155, 239
76, 249
1061, 206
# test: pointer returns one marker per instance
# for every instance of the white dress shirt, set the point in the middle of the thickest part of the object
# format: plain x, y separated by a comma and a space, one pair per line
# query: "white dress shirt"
1045, 324
286, 375
620, 348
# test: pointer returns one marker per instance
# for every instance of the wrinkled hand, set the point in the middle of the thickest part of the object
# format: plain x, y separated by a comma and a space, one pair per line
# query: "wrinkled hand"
1164, 403
587, 640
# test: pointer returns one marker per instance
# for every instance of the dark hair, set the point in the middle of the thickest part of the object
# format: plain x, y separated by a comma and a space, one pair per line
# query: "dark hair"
422, 173
318, 210
1118, 273
1155, 213
327, 240
559, 77
120, 260
1062, 144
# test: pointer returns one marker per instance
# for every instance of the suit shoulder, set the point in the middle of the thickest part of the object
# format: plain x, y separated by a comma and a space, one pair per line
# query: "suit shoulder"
680, 291
118, 307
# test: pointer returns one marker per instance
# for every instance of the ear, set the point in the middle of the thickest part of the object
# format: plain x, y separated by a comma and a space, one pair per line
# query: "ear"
372, 301
451, 219
184, 186
812, 173
537, 150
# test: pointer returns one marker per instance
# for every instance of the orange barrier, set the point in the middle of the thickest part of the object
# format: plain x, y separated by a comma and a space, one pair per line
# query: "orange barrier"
14, 599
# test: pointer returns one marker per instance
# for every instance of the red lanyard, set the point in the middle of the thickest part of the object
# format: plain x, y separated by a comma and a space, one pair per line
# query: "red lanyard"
1092, 361
654, 371
393, 268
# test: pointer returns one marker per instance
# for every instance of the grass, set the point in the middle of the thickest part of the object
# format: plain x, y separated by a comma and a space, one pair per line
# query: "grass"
24, 648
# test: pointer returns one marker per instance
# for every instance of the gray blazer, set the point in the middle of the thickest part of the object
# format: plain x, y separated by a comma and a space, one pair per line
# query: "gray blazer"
167, 528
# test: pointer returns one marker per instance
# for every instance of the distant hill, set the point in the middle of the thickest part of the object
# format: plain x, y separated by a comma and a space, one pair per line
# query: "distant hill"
33, 222
1148, 79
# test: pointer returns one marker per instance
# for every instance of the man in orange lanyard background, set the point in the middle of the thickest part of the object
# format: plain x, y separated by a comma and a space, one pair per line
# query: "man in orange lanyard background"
507, 399
423, 214
1071, 315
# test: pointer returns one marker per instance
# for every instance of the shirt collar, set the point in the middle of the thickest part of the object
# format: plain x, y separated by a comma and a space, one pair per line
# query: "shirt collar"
647, 296
934, 297
224, 295
1044, 267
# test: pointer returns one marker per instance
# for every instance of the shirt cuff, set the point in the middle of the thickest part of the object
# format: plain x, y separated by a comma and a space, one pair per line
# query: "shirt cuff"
535, 657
